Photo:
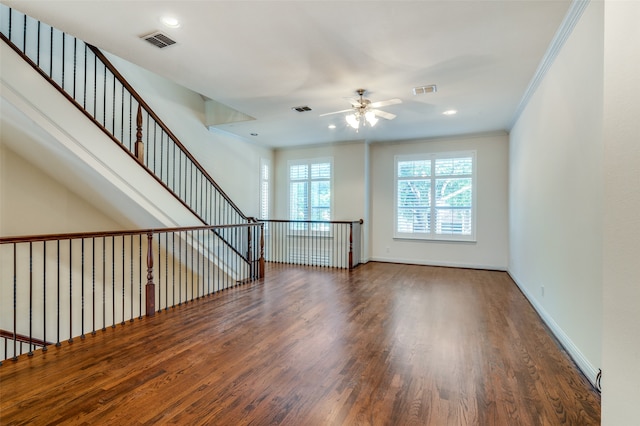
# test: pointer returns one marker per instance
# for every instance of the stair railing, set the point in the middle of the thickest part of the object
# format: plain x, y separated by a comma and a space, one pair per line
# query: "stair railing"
64, 286
335, 244
82, 74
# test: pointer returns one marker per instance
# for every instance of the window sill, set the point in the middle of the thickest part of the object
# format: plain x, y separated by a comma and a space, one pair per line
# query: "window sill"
439, 239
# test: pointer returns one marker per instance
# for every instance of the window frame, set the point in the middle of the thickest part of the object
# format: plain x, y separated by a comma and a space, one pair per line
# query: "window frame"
431, 235
309, 162
265, 164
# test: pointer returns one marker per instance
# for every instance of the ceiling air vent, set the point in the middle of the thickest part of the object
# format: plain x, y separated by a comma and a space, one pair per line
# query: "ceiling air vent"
421, 90
301, 108
158, 39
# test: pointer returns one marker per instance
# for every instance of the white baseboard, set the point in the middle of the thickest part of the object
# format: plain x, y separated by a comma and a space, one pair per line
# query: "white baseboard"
437, 263
578, 357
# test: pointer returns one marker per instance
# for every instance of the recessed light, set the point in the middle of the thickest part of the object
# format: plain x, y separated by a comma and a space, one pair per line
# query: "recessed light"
450, 112
332, 126
170, 22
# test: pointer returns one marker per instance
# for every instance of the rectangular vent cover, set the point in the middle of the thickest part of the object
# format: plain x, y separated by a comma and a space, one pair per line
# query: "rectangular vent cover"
158, 39
421, 90
301, 108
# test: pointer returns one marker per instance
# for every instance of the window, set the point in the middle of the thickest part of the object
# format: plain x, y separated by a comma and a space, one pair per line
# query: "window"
310, 189
435, 196
264, 188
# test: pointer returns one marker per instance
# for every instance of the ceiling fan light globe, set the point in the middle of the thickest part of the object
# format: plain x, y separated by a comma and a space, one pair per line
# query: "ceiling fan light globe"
352, 121
371, 118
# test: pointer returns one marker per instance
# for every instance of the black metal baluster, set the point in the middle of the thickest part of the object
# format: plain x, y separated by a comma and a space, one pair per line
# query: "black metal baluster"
155, 145
113, 113
50, 49
131, 276
58, 303
38, 46
221, 262
166, 271
113, 282
173, 269
130, 125
122, 92
123, 286
15, 302
44, 295
84, 77
192, 274
70, 291
63, 54
180, 269
75, 61
198, 262
30, 298
93, 286
140, 269
95, 86
159, 276
104, 100
148, 147
180, 173
10, 29
24, 34
104, 283
82, 290
173, 168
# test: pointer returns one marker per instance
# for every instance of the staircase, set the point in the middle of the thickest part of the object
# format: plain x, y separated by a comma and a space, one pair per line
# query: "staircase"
90, 129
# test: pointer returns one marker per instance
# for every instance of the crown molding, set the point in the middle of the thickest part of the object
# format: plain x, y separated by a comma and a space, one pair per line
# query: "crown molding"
569, 22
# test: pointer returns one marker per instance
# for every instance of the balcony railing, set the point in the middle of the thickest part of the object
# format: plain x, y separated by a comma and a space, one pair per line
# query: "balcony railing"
57, 288
335, 244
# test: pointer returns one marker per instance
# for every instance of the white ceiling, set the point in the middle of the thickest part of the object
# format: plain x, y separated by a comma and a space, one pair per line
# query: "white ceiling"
264, 57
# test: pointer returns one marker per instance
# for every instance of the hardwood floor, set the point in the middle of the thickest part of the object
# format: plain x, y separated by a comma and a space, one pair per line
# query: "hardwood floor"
384, 344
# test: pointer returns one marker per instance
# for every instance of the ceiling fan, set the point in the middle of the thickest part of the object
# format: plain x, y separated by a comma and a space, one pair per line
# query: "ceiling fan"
364, 112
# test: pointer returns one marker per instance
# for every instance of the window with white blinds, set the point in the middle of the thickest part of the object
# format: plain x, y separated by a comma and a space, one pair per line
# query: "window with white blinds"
310, 189
435, 196
265, 166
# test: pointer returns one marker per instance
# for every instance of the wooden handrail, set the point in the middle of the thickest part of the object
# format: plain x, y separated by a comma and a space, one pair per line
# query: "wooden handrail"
163, 126
96, 122
76, 235
22, 338
147, 108
361, 221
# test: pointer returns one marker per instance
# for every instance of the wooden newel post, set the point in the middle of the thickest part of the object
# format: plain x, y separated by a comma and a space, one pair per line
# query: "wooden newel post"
150, 288
262, 250
139, 146
351, 245
249, 257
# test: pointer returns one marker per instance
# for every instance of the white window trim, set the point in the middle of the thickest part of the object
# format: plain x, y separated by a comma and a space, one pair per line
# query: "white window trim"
310, 161
432, 236
265, 162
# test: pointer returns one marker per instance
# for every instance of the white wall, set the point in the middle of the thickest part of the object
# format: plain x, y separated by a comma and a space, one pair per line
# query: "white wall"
348, 178
233, 163
555, 195
363, 188
621, 285
491, 248
32, 202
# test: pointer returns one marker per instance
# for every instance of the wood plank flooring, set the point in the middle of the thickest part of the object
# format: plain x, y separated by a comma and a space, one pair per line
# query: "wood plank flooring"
384, 344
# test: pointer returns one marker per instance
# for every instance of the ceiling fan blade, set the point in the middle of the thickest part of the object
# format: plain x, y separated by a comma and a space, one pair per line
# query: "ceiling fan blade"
336, 112
354, 102
385, 103
383, 114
